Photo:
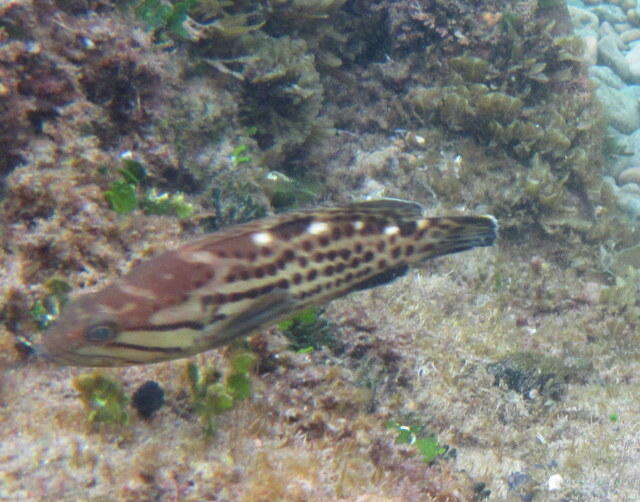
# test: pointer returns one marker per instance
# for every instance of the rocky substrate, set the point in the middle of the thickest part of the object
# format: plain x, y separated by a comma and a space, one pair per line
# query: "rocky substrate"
611, 34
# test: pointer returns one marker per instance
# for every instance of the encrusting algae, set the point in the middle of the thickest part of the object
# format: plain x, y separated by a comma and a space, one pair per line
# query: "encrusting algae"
234, 282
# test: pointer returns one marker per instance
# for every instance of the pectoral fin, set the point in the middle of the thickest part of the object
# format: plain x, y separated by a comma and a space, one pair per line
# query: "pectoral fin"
260, 314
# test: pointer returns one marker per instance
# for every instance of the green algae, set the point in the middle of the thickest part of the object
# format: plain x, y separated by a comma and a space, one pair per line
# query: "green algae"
103, 398
309, 329
211, 394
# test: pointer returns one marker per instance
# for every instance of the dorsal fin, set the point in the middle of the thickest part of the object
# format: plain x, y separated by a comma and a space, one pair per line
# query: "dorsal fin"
397, 208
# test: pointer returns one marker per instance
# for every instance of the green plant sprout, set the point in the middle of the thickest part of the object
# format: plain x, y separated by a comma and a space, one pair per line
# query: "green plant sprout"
103, 398
212, 396
123, 197
284, 192
45, 310
428, 446
166, 204
164, 16
238, 155
308, 330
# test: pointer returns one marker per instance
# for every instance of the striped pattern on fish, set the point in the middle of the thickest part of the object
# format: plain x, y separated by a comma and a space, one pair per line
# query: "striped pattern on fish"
234, 282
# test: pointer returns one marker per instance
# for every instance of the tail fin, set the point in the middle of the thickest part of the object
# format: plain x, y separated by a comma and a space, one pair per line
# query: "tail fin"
453, 234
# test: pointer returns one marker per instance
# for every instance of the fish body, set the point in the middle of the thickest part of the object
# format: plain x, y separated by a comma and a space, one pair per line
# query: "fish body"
234, 282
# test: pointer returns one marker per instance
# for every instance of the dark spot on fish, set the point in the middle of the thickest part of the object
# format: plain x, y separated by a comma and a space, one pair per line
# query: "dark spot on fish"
253, 293
331, 255
328, 270
395, 252
409, 250
349, 230
312, 275
231, 277
370, 228
307, 245
318, 257
381, 246
283, 284
407, 228
358, 247
291, 229
221, 254
258, 273
238, 254
244, 274
302, 261
340, 267
218, 318
288, 255
297, 278
219, 298
271, 269
268, 288
336, 233
266, 251
323, 240
382, 264
345, 254
368, 256
251, 256
348, 277
235, 297
355, 262
427, 248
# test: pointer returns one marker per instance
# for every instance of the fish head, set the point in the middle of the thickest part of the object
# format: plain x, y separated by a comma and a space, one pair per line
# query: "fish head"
81, 327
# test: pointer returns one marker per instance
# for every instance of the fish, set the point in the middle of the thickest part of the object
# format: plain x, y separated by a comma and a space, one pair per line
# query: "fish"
244, 278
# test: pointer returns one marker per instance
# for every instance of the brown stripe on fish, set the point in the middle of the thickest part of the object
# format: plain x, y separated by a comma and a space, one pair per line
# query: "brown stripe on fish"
236, 281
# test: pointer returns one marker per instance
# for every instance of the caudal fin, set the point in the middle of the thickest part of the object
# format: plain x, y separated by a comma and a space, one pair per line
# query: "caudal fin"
452, 234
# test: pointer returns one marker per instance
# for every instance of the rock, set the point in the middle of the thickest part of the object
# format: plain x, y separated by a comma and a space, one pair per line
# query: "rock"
582, 18
555, 482
609, 54
628, 151
622, 27
610, 13
629, 175
606, 29
631, 188
630, 35
604, 75
620, 109
590, 54
632, 91
633, 61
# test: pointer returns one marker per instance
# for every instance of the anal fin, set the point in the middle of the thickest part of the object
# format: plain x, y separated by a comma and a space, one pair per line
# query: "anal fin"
382, 278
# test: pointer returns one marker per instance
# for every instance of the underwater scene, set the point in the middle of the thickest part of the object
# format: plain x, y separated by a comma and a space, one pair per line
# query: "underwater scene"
319, 250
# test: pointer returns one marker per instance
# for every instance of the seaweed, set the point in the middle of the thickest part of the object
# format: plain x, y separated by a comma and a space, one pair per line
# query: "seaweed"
103, 398
212, 395
123, 195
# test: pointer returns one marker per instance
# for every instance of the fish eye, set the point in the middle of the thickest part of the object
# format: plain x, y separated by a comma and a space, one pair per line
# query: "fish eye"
102, 332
